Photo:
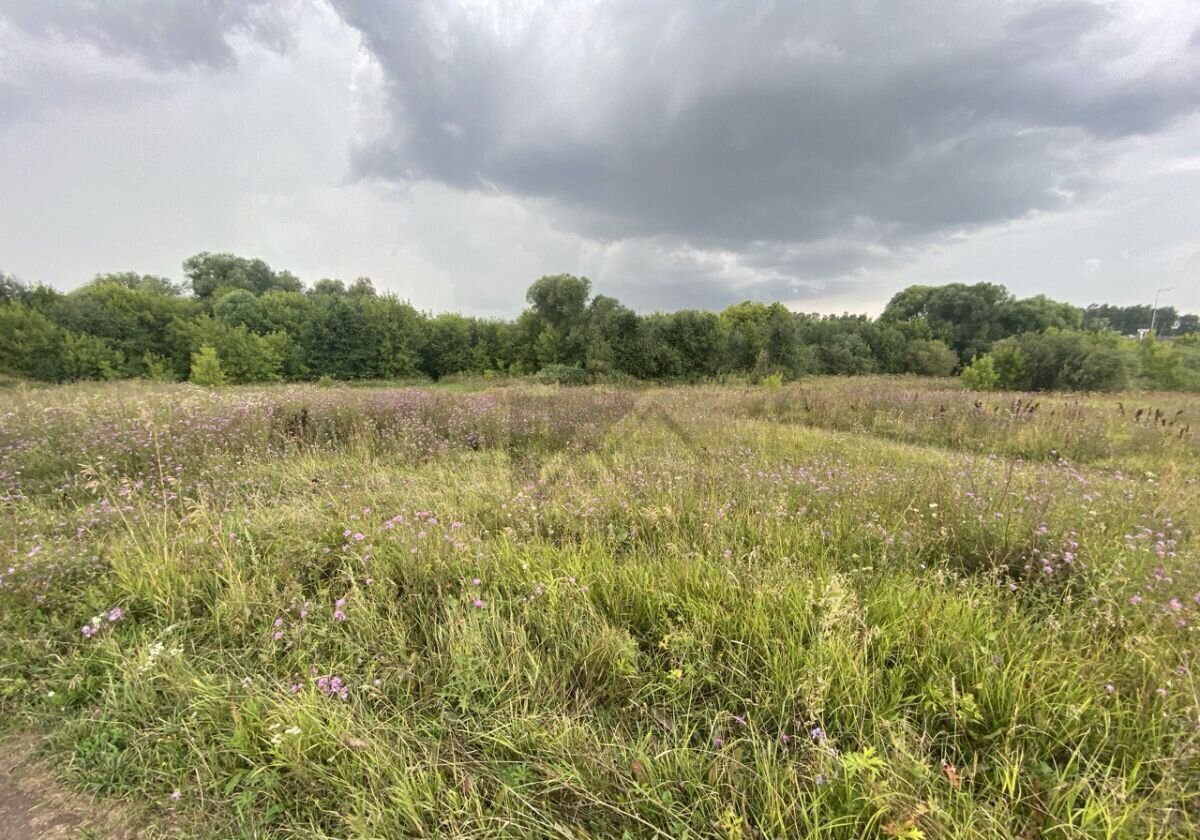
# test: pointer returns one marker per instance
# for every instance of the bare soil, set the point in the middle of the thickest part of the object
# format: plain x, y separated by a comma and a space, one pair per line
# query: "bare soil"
33, 804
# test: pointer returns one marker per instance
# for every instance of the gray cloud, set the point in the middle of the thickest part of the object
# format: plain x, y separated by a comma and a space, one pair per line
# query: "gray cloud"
724, 125
162, 34
682, 154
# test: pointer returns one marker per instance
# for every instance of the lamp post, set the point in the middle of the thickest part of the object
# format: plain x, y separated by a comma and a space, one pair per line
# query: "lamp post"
1154, 311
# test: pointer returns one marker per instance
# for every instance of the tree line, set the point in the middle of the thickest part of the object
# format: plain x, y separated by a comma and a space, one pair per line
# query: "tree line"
235, 319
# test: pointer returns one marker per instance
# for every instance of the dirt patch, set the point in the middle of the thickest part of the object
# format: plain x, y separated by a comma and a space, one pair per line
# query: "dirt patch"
35, 804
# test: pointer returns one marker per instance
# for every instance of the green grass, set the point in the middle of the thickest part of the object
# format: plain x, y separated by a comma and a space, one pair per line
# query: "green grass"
837, 609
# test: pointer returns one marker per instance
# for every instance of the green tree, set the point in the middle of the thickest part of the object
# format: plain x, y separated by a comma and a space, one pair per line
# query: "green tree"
970, 319
1162, 363
614, 338
131, 319
31, 345
245, 356
338, 340
209, 273
140, 282
158, 369
980, 375
397, 332
239, 307
90, 357
559, 302
447, 348
929, 357
206, 367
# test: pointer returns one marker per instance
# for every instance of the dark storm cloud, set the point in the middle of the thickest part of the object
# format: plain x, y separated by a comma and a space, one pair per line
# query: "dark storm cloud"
162, 34
730, 125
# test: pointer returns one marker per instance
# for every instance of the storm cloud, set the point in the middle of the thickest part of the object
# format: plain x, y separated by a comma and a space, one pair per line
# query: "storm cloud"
728, 124
164, 34
700, 152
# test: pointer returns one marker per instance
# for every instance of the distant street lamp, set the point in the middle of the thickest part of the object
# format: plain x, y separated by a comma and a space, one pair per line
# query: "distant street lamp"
1154, 311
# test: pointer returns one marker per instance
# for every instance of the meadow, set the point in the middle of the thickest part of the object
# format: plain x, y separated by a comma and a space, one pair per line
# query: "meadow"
841, 608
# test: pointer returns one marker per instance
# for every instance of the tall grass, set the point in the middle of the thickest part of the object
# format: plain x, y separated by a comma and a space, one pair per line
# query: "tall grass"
577, 613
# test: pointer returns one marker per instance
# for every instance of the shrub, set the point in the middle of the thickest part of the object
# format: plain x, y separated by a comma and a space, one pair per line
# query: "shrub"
1099, 369
206, 367
157, 368
1011, 366
929, 358
980, 375
562, 375
1162, 363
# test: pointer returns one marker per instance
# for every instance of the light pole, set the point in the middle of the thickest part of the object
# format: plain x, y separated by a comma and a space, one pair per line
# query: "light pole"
1154, 311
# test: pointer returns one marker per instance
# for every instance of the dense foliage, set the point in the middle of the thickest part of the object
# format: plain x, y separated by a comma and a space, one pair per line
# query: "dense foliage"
264, 325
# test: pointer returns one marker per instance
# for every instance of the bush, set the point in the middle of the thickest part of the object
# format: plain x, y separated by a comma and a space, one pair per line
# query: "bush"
562, 375
30, 344
1099, 369
89, 357
206, 367
1162, 364
929, 358
157, 368
1011, 367
980, 375
1056, 360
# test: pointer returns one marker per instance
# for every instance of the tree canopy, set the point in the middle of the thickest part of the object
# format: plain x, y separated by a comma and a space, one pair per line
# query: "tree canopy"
260, 324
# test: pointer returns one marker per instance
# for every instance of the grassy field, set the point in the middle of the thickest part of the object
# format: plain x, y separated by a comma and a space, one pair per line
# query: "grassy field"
840, 609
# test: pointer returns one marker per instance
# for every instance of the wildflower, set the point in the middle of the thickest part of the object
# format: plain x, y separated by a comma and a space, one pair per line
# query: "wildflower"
1110, 688
115, 615
88, 631
817, 734
477, 603
718, 742
175, 795
1135, 600
333, 687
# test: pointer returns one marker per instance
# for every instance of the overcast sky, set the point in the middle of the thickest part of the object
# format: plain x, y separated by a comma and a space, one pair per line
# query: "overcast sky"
681, 154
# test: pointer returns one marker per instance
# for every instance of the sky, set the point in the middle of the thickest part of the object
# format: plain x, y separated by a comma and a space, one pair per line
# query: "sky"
680, 153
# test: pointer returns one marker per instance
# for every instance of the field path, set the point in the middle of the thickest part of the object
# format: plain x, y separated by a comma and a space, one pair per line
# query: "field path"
33, 804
